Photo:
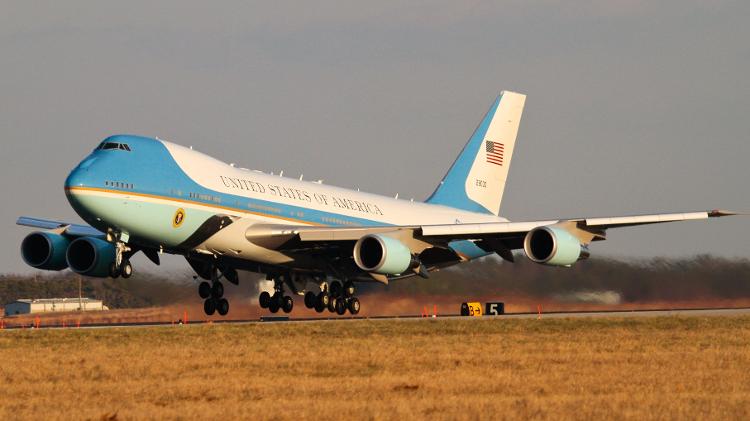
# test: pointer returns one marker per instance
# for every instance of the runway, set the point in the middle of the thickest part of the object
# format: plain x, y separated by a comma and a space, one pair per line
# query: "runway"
275, 319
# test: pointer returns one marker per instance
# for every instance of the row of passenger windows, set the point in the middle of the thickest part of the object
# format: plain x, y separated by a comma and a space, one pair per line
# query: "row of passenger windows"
205, 197
119, 185
113, 145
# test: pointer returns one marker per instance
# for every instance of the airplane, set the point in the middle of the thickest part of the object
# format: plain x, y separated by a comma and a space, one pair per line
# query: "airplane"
142, 194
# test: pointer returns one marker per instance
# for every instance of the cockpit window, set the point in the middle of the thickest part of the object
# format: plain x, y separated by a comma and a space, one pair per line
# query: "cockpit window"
113, 145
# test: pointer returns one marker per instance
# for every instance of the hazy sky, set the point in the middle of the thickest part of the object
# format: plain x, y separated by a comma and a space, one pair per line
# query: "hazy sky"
633, 107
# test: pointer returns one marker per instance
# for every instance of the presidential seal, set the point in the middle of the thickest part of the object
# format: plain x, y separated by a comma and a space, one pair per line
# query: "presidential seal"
179, 218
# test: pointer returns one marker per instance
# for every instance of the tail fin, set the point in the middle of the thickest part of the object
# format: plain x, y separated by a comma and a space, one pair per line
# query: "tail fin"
476, 180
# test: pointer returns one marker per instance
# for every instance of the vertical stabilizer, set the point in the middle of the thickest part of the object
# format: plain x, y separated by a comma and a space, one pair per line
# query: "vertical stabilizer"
476, 180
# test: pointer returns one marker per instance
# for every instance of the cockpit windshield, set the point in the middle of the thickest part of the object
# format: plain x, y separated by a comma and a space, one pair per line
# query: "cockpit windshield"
113, 145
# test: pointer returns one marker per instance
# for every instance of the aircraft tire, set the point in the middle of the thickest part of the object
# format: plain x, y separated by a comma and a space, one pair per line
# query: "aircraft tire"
340, 307
332, 304
209, 306
354, 305
264, 300
323, 299
319, 307
126, 269
222, 306
114, 271
204, 290
310, 299
288, 304
349, 289
217, 290
273, 307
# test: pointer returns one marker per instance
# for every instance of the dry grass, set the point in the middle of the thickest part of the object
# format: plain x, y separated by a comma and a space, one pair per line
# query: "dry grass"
654, 368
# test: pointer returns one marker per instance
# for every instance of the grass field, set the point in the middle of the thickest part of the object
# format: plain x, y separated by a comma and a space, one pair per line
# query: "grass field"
653, 368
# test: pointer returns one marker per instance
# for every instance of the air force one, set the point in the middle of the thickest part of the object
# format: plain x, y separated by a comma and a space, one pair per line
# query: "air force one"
141, 194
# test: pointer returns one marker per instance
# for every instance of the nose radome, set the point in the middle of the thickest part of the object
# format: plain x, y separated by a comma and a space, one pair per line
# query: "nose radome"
78, 177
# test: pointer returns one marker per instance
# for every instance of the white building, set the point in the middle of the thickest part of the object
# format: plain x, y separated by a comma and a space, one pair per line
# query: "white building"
45, 305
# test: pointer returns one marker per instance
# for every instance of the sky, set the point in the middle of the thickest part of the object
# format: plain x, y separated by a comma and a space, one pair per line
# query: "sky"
633, 106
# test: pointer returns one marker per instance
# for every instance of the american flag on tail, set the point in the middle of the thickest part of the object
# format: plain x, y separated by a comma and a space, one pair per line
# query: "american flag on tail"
495, 151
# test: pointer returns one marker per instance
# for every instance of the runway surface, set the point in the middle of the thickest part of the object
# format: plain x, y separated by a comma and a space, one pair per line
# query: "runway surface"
700, 312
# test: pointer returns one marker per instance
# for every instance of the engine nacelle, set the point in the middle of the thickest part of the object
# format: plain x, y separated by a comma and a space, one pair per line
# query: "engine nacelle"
382, 254
90, 256
553, 246
45, 250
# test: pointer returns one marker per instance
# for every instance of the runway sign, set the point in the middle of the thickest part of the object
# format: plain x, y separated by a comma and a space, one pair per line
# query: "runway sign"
471, 309
494, 309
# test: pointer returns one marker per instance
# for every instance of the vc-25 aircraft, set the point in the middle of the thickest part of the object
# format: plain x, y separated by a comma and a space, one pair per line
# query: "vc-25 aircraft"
145, 194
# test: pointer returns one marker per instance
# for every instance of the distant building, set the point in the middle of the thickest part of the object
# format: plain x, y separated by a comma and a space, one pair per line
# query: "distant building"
46, 305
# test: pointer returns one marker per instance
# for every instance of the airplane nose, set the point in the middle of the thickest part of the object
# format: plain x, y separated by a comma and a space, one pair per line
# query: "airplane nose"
79, 175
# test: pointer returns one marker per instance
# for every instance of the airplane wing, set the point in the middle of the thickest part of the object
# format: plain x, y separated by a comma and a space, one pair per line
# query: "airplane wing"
496, 236
586, 229
73, 230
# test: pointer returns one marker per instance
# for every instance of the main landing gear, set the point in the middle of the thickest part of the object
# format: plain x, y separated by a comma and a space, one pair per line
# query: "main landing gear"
213, 293
336, 298
277, 301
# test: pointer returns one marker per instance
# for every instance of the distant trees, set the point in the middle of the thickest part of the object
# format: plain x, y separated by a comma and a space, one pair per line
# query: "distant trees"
658, 279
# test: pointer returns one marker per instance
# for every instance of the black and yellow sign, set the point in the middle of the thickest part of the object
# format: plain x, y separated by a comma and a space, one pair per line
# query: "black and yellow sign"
179, 218
471, 309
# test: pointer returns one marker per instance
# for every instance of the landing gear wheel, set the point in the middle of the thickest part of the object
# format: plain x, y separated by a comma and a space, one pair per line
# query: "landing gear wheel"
354, 305
222, 306
349, 289
114, 271
126, 269
287, 304
209, 306
217, 290
310, 299
319, 307
335, 289
323, 299
332, 304
273, 306
340, 307
264, 300
204, 290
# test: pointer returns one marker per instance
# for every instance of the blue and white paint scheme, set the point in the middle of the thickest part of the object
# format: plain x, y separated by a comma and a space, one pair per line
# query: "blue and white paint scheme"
145, 194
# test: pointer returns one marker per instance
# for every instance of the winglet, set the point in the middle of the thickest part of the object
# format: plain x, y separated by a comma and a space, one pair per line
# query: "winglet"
716, 213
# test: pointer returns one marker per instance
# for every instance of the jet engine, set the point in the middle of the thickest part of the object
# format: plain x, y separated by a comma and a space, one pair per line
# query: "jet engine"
91, 256
553, 246
382, 254
45, 250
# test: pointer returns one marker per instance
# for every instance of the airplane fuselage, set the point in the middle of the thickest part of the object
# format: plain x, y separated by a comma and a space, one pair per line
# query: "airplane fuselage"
162, 195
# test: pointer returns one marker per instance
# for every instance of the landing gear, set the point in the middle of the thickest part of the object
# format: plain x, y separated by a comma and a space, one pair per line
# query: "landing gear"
334, 297
213, 293
121, 266
125, 269
343, 298
277, 301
